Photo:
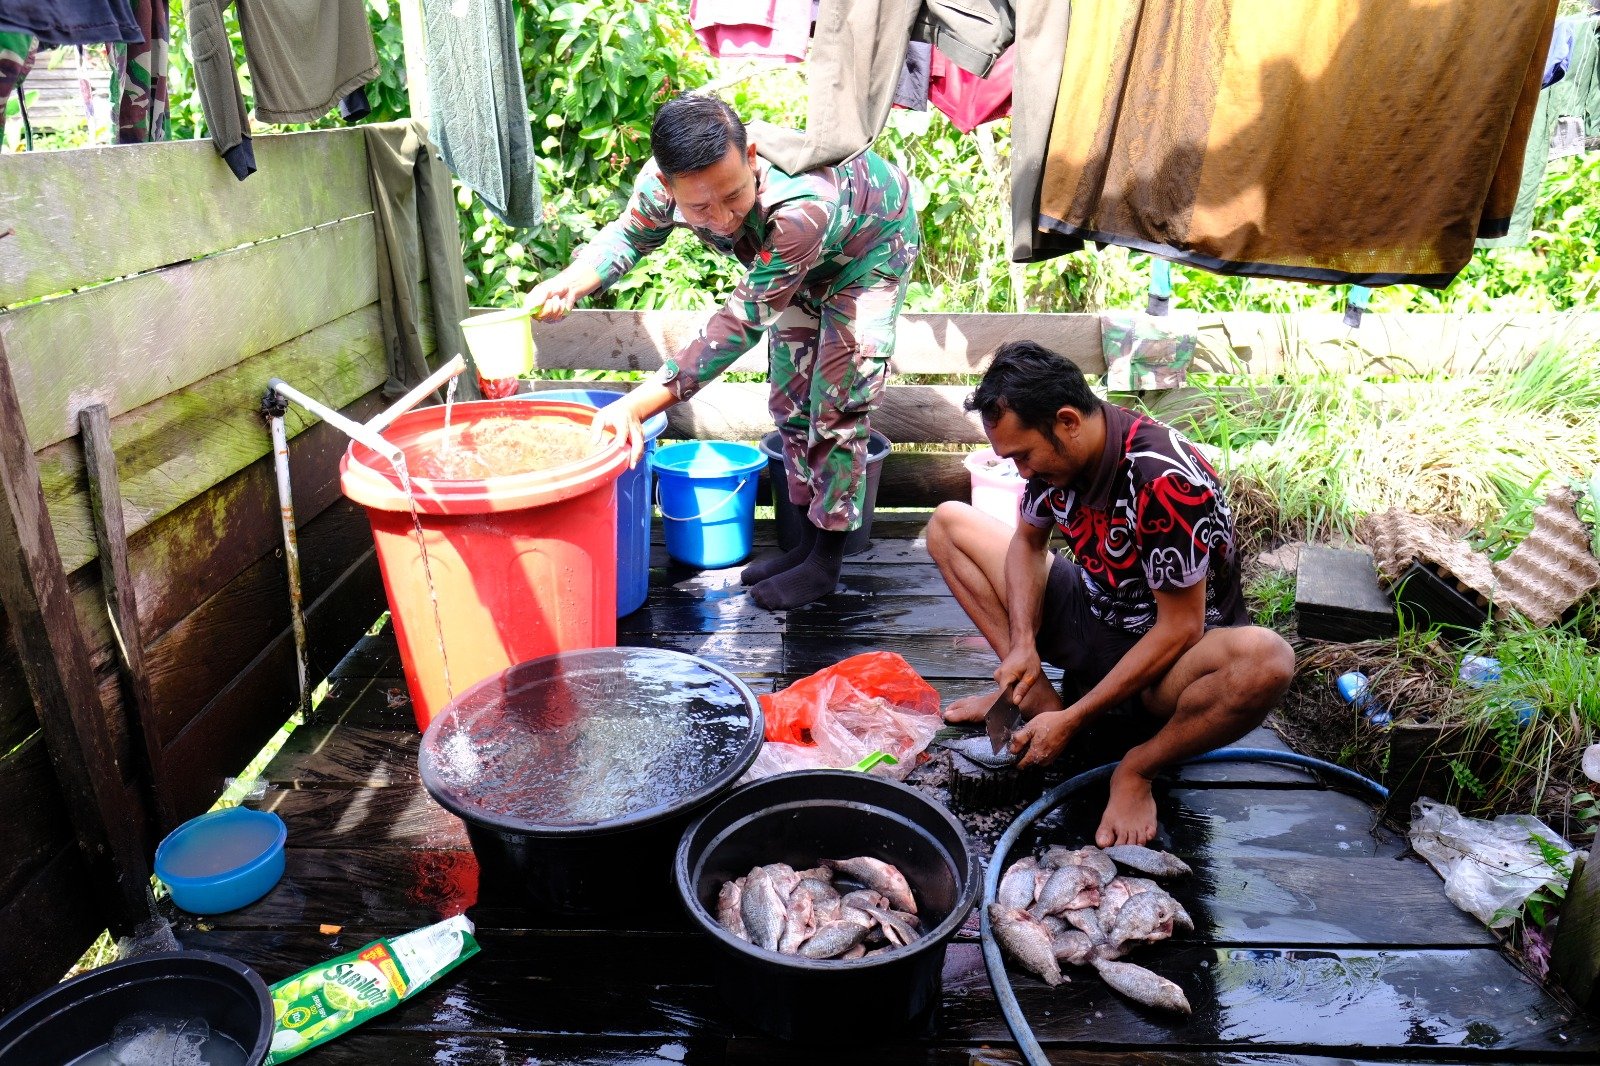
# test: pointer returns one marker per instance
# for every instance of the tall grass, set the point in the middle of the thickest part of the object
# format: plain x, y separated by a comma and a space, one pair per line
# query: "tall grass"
1542, 713
1330, 449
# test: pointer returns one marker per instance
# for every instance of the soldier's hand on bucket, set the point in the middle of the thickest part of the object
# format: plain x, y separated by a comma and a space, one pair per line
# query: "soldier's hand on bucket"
552, 299
619, 420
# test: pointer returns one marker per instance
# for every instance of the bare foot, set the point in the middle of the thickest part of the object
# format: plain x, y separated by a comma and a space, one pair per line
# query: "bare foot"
970, 708
1130, 816
1041, 697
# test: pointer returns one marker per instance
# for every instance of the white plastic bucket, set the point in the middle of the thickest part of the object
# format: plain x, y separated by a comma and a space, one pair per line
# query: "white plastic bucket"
501, 342
996, 485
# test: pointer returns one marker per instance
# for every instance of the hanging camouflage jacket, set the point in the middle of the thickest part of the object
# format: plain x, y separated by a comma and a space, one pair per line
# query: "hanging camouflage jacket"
810, 235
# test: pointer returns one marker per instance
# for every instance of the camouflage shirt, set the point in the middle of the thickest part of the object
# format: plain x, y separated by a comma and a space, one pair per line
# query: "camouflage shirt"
809, 236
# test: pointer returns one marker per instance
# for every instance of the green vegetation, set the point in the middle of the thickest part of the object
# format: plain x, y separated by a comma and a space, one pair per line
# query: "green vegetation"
1481, 449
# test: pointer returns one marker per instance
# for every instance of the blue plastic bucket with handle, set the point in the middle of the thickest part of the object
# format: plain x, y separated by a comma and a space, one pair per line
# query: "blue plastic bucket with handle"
707, 494
634, 502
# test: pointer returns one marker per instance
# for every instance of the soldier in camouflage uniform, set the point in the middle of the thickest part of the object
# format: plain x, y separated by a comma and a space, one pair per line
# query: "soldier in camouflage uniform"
828, 254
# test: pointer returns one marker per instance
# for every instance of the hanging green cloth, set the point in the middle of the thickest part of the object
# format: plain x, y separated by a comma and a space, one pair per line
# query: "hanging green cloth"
1577, 94
480, 106
415, 215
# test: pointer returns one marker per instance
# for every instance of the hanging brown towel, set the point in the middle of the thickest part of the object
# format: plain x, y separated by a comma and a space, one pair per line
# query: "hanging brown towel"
1361, 141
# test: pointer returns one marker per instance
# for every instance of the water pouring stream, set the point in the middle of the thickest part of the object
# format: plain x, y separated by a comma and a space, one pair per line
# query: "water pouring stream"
279, 395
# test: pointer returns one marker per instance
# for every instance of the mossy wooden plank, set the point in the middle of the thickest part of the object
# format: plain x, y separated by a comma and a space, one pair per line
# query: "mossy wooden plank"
204, 652
35, 826
925, 343
919, 414
18, 719
243, 714
65, 208
1250, 343
234, 524
176, 447
1261, 343
136, 340
49, 923
923, 479
182, 559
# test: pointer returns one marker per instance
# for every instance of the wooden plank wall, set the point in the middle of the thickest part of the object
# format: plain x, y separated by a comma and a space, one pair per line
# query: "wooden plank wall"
944, 347
148, 279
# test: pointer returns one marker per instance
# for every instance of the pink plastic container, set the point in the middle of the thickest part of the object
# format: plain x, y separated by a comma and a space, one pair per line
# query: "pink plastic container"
996, 485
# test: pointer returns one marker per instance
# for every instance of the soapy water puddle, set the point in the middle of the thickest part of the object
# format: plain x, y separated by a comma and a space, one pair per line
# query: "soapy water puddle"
618, 735
162, 1040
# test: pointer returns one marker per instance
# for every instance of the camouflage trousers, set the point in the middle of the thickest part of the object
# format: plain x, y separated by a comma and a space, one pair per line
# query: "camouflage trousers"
829, 359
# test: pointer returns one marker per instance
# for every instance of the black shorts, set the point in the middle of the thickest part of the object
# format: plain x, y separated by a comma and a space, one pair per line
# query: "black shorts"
1071, 637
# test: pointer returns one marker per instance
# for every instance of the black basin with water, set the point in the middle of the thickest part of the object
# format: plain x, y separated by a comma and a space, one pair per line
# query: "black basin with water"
67, 1022
801, 818
577, 772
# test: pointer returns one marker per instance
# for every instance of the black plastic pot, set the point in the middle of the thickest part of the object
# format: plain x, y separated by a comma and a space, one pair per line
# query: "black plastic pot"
544, 846
804, 817
790, 518
72, 1019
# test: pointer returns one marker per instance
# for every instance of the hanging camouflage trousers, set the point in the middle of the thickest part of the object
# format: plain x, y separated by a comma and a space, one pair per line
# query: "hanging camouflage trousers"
829, 359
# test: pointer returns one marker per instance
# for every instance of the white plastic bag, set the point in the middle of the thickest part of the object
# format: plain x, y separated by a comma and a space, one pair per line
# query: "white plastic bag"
866, 703
1489, 868
846, 735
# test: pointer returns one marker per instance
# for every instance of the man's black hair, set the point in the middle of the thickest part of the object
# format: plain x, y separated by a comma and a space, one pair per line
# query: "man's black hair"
1033, 382
692, 131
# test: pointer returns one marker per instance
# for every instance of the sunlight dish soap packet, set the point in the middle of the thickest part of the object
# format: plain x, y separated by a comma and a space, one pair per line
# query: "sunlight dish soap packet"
318, 1004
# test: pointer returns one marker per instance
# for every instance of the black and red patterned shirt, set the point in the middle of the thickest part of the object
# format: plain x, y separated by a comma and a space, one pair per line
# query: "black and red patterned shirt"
1151, 517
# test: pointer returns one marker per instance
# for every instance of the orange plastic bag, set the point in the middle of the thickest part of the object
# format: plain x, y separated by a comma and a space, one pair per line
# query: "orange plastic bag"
791, 714
839, 715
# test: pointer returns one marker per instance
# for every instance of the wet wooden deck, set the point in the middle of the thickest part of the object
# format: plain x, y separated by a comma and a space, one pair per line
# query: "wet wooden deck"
1319, 940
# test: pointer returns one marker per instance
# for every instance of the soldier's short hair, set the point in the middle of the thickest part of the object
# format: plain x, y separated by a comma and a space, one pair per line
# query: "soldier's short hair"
1032, 382
692, 131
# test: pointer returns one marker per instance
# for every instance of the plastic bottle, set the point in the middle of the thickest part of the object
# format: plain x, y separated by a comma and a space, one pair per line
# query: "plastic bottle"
1479, 670
1353, 689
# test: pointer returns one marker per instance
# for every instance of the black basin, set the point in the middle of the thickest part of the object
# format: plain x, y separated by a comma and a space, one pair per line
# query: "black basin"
72, 1019
576, 773
801, 818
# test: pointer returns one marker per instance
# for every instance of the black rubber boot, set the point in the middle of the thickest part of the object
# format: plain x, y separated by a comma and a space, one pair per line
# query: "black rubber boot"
811, 580
762, 569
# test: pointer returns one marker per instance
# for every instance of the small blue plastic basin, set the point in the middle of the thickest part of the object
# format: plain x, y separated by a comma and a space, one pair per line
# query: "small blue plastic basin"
222, 861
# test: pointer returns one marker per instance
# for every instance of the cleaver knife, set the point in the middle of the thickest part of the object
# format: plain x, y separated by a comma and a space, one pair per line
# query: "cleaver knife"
1001, 720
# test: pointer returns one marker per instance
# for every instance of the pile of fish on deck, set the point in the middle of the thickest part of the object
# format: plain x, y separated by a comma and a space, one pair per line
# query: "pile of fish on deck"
818, 913
1073, 907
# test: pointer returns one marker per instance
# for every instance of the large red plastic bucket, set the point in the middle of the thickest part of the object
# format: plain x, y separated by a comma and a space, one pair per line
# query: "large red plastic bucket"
523, 566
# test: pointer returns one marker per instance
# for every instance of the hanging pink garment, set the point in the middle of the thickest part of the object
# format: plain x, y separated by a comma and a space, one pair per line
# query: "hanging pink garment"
969, 100
753, 29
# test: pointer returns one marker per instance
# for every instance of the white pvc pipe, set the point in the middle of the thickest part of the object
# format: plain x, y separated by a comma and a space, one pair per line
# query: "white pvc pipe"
381, 421
291, 555
352, 429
